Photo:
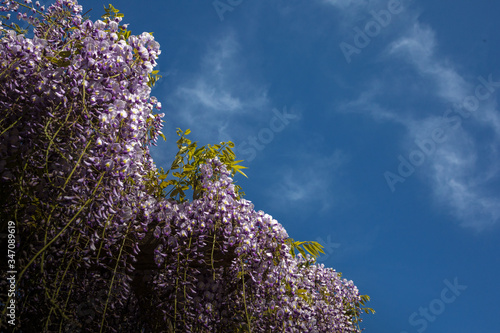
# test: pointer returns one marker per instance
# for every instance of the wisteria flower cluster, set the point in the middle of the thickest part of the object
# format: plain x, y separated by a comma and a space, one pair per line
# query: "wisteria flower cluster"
226, 267
76, 124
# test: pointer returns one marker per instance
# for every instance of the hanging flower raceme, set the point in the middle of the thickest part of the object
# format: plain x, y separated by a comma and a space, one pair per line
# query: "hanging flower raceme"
73, 160
218, 240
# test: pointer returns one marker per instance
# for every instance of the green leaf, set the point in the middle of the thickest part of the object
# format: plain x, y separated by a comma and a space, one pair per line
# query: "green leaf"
177, 160
233, 155
64, 54
311, 249
172, 182
185, 173
318, 247
199, 151
52, 60
237, 167
242, 173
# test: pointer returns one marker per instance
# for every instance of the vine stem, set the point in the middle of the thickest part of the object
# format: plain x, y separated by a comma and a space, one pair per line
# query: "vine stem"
53, 239
114, 275
244, 297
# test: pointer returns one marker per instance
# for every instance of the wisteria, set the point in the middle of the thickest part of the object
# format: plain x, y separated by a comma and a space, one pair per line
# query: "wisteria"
240, 273
76, 175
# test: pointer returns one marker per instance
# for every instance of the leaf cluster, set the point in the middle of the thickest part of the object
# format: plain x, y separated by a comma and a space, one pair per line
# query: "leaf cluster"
153, 77
313, 248
61, 60
12, 26
112, 13
355, 310
185, 169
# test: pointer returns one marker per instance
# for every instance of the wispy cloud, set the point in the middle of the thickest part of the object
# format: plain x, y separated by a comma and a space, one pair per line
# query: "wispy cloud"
338, 3
359, 11
456, 176
418, 47
459, 181
353, 4
210, 99
350, 11
365, 104
460, 169
307, 183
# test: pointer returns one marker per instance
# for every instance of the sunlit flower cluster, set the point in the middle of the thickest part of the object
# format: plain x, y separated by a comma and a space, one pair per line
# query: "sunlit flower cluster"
77, 123
222, 242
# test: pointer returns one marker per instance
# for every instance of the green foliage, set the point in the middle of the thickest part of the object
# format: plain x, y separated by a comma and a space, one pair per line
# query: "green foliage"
313, 248
11, 26
185, 169
305, 295
61, 59
355, 310
113, 13
153, 78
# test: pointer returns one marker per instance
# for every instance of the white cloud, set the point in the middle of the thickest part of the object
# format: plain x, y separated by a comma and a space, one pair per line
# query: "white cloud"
366, 105
338, 3
358, 12
456, 176
307, 183
209, 97
460, 169
458, 182
209, 100
418, 47
353, 4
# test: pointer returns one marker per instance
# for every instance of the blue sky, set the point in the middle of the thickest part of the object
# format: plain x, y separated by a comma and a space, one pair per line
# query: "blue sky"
372, 127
